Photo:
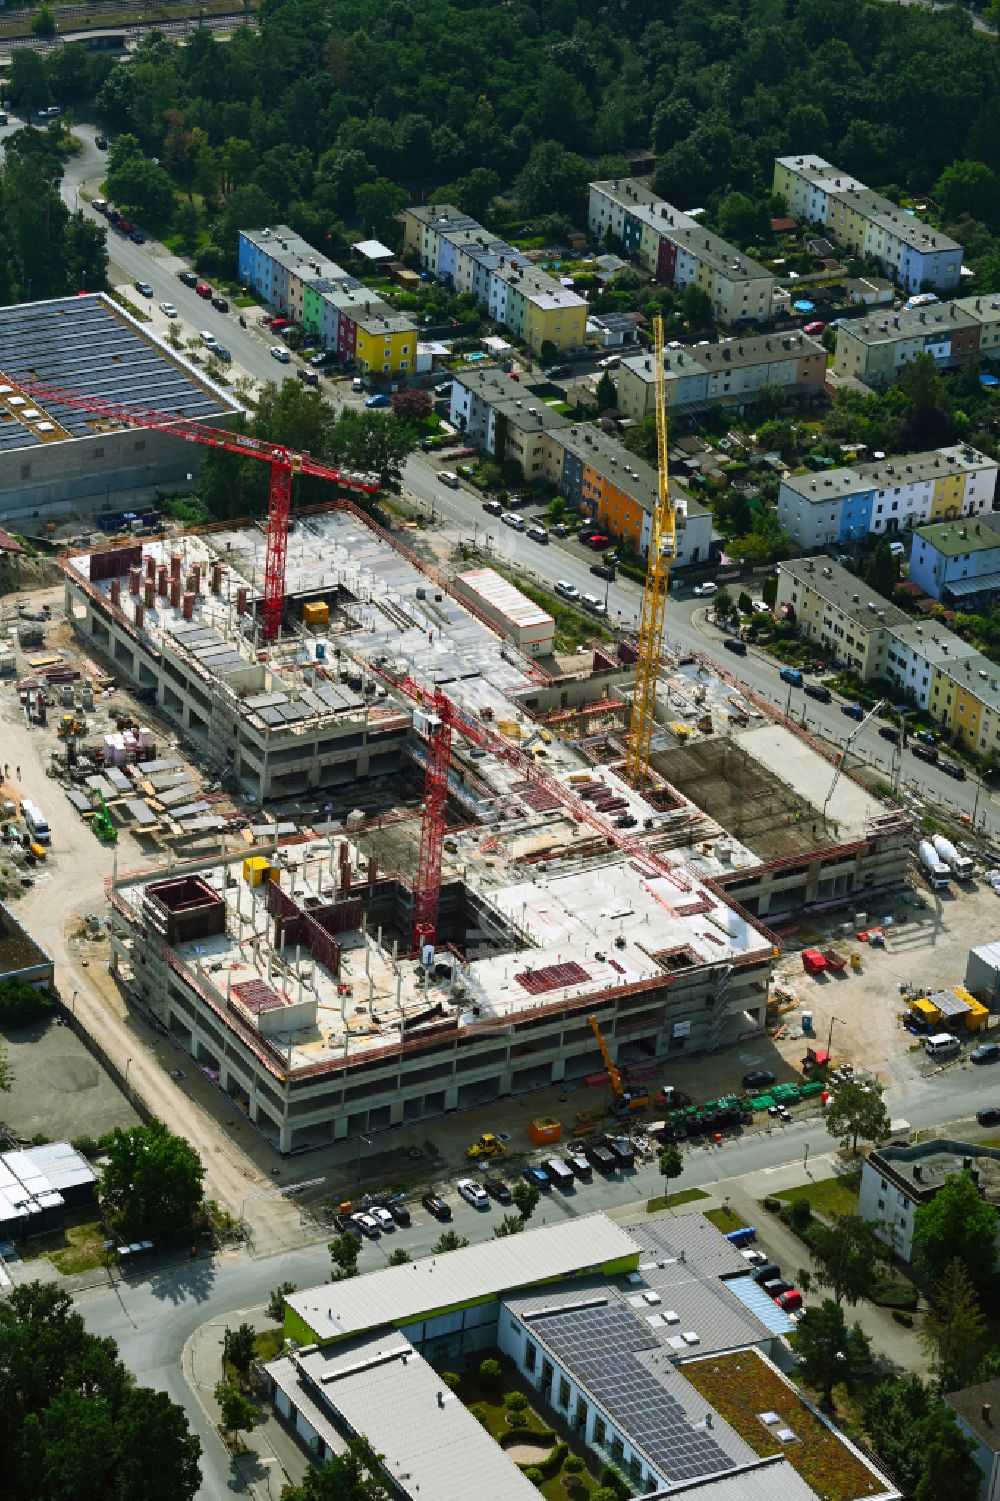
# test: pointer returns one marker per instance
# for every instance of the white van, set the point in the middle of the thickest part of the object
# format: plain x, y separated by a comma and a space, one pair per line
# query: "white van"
897, 549
35, 822
208, 339
450, 478
941, 1045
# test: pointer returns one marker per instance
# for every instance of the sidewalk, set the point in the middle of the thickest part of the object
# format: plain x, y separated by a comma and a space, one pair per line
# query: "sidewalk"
268, 1446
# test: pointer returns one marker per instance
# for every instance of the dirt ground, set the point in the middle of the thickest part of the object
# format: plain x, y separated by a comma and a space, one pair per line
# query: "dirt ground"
59, 1089
925, 947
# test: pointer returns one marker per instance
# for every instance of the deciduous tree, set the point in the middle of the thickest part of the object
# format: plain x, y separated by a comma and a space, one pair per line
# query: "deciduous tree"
830, 1353
857, 1114
956, 1224
848, 1254
954, 1329
151, 1183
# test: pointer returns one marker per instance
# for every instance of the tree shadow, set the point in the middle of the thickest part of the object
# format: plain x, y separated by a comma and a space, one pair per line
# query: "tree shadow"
182, 1282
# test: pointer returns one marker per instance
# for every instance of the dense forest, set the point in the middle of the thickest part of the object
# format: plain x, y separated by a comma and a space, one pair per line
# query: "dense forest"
335, 112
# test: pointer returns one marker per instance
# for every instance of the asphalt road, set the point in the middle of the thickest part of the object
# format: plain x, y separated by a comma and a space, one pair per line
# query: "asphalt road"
689, 628
152, 1318
686, 624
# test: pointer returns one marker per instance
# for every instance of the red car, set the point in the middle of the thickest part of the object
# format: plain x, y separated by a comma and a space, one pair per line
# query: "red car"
597, 541
203, 289
125, 225
276, 324
813, 328
791, 1301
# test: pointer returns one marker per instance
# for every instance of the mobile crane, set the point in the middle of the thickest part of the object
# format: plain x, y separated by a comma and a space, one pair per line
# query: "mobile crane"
625, 1101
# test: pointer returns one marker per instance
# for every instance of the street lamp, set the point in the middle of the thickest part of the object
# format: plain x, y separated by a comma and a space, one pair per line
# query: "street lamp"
829, 1040
128, 1065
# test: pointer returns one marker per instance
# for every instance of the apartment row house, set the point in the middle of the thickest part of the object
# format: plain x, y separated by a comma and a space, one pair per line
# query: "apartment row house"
958, 562
677, 249
877, 349
942, 674
913, 253
729, 373
886, 496
457, 250
349, 318
592, 470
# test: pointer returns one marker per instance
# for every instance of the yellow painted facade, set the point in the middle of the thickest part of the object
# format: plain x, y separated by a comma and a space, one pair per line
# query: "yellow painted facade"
562, 326
384, 351
948, 497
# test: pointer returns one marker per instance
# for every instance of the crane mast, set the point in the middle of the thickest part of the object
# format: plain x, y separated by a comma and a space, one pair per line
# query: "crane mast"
662, 550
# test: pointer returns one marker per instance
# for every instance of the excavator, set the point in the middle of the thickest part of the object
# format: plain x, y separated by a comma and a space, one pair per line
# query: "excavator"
626, 1103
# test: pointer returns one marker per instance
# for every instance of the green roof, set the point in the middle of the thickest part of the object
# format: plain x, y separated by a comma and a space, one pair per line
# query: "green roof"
952, 538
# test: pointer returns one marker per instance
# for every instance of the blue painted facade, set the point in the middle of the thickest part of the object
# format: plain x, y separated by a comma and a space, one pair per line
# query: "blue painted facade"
856, 512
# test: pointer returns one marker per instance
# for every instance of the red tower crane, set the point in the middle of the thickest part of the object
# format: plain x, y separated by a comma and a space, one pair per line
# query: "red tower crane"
434, 722
284, 462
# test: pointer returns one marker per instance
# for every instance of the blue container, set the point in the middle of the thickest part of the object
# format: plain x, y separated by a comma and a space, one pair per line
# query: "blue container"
320, 651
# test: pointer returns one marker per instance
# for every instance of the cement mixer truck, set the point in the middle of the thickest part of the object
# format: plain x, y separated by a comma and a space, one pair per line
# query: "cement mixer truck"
960, 866
937, 872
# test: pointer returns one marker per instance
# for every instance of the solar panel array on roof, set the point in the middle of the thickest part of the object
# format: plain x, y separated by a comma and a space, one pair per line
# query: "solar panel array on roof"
83, 344
600, 1347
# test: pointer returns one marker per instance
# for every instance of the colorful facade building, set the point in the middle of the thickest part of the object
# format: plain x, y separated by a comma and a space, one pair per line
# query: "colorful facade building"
349, 318
913, 253
958, 563
936, 670
886, 496
677, 249
729, 373
593, 471
456, 249
877, 349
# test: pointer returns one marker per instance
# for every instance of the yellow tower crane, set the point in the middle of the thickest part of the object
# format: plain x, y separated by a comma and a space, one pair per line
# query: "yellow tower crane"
662, 551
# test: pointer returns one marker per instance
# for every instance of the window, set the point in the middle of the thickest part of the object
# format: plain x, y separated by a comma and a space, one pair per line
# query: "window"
600, 1431
563, 1392
530, 1356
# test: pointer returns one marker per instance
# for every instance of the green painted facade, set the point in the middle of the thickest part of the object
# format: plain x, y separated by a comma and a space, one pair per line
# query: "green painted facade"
296, 1327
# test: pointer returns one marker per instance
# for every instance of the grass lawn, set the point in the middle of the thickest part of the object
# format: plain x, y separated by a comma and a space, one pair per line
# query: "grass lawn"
829, 1196
670, 1201
78, 1247
724, 1218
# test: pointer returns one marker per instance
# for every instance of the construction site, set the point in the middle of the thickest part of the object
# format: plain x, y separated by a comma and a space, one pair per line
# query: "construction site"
335, 976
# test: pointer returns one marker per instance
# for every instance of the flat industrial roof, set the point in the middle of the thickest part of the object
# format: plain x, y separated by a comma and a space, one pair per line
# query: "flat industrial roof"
91, 346
431, 1443
505, 598
400, 1294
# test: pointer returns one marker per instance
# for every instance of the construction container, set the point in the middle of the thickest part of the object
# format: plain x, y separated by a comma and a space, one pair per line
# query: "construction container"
544, 1131
256, 870
316, 612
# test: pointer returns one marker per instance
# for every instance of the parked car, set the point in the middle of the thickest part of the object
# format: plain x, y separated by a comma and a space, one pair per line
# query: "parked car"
511, 519
207, 338
561, 529
101, 142
378, 400
818, 691
779, 1285
790, 1301
399, 1212
493, 507
593, 604
436, 1206
100, 205
853, 711
138, 238
382, 1217
817, 326
220, 303
280, 354
989, 1115
735, 645
144, 288
473, 1193
703, 590
168, 310
568, 591
497, 1189
187, 277
621, 1150
580, 1167
758, 1078
766, 1273
203, 289
597, 541
309, 377
537, 1177
222, 353
986, 1052
367, 1225
926, 753
344, 1223
604, 571
953, 770
538, 534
